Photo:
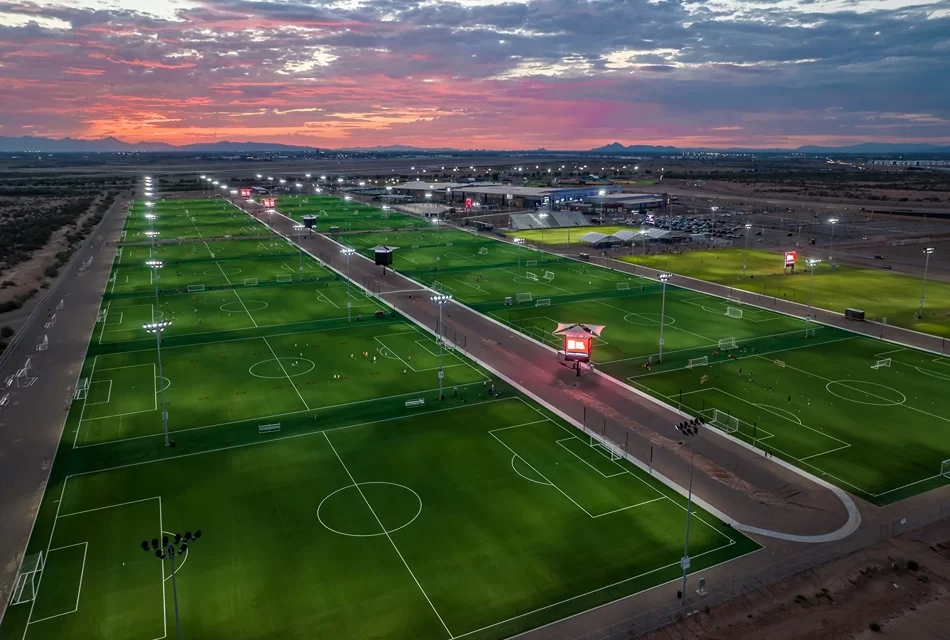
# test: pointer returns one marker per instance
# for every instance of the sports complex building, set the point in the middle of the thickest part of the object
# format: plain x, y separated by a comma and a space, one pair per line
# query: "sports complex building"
493, 195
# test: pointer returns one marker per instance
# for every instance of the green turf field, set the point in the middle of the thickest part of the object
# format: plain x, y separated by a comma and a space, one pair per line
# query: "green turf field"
332, 212
881, 433
205, 218
880, 293
329, 504
569, 235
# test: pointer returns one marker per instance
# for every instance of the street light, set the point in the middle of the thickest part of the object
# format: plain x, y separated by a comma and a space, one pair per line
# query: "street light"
689, 429
167, 549
441, 299
663, 278
748, 225
833, 221
157, 328
299, 229
811, 282
347, 252
923, 289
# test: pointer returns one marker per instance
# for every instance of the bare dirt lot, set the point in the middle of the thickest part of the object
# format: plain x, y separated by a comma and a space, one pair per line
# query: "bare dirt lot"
894, 589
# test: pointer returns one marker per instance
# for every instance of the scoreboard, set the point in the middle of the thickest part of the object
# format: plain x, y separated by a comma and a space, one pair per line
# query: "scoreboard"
269, 203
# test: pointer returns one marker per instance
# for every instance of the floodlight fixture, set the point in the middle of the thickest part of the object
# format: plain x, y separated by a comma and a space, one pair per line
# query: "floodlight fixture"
299, 227
441, 299
282, 181
339, 180
323, 177
150, 216
149, 203
308, 175
347, 251
259, 176
151, 234
154, 264
748, 225
202, 177
157, 327
298, 185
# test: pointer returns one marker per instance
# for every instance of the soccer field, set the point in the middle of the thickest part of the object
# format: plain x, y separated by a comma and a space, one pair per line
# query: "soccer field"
865, 414
332, 212
880, 293
337, 495
568, 235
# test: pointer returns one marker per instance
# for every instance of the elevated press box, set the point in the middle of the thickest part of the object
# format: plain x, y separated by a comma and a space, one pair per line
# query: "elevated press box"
384, 255
310, 221
854, 314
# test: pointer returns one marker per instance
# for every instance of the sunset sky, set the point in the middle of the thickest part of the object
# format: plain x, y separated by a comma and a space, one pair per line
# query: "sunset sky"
560, 74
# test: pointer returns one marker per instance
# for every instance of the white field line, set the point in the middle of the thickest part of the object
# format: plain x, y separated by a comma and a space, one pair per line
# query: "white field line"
245, 307
82, 573
386, 533
289, 379
82, 409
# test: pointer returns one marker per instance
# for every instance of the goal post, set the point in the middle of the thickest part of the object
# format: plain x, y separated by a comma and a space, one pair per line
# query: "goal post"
483, 251
697, 362
533, 277
531, 263
524, 297
548, 275
623, 286
725, 421
195, 288
945, 468
543, 302
28, 579
610, 450
734, 312
285, 277
725, 344
886, 362
250, 282
82, 389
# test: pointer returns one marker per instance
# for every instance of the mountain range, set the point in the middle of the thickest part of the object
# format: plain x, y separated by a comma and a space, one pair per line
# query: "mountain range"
37, 144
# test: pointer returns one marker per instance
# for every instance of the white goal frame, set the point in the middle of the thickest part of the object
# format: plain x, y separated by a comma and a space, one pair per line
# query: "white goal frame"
533, 277
945, 468
548, 275
285, 277
530, 263
82, 389
543, 302
886, 362
623, 286
483, 251
28, 579
734, 312
725, 344
613, 451
196, 288
697, 362
524, 297
725, 421
250, 282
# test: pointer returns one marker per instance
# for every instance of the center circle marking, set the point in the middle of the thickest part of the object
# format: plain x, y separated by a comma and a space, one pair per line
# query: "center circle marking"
361, 498
248, 305
854, 387
286, 364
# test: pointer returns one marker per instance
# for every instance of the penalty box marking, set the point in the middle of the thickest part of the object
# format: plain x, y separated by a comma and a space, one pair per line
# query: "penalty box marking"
561, 491
82, 572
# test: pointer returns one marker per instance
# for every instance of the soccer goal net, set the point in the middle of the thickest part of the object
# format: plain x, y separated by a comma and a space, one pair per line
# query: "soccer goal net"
524, 297
549, 275
250, 282
195, 288
285, 277
727, 343
531, 263
623, 286
697, 362
733, 312
82, 389
726, 422
483, 251
533, 277
606, 448
543, 302
886, 362
945, 468
28, 579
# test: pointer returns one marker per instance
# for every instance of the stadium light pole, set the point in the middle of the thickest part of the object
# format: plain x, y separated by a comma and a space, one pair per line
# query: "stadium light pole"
428, 201
440, 300
748, 226
167, 549
663, 278
542, 216
157, 328
834, 223
601, 193
347, 252
923, 288
689, 429
811, 282
299, 229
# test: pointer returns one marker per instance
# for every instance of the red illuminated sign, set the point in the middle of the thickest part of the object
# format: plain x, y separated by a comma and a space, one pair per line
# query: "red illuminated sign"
577, 347
269, 203
245, 193
468, 203
790, 257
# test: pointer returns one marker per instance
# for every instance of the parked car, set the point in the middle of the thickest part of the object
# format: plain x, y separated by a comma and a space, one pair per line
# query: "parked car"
878, 257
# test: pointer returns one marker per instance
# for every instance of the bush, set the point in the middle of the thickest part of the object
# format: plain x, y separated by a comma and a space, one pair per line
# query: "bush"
6, 332
913, 565
875, 627
51, 271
